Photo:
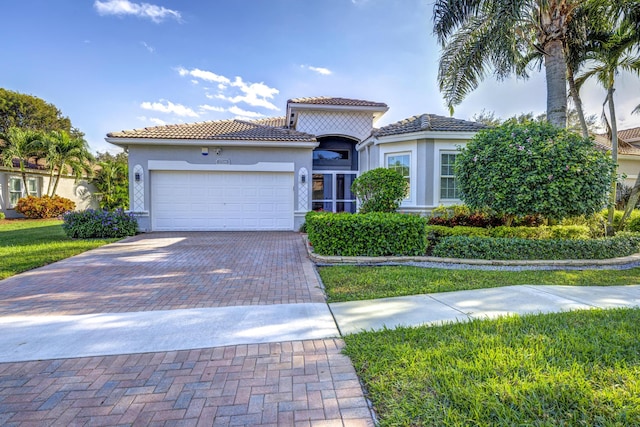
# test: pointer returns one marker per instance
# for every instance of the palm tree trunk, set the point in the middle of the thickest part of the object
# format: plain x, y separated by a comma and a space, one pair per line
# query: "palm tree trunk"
632, 202
55, 186
23, 172
575, 95
614, 154
51, 171
556, 75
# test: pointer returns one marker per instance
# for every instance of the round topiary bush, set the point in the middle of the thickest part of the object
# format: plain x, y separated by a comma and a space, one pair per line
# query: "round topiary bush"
380, 190
533, 169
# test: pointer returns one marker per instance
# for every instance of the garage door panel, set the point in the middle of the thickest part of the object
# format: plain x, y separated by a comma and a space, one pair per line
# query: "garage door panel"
183, 200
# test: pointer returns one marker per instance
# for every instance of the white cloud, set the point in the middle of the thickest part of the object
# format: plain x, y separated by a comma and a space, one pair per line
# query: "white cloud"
206, 107
169, 107
254, 94
204, 75
319, 70
157, 121
195, 82
151, 49
143, 10
244, 113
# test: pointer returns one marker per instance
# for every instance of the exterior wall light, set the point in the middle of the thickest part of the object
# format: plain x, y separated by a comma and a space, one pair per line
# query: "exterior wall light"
137, 176
205, 151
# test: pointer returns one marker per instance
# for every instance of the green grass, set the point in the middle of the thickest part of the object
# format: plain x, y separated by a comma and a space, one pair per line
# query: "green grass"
574, 369
27, 244
350, 283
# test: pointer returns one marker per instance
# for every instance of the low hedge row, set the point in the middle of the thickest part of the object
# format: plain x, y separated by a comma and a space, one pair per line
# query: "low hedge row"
371, 234
541, 232
622, 244
44, 207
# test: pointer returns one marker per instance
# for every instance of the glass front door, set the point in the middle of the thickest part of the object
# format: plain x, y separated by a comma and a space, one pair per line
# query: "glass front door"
332, 192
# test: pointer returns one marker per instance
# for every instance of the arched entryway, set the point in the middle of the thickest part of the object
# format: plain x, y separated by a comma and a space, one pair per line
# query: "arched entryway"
335, 167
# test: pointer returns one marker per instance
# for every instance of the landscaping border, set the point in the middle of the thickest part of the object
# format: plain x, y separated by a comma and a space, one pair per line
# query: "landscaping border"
365, 260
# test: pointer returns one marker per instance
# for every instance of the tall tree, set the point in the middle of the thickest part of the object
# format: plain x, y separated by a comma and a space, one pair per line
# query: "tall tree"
65, 153
478, 35
21, 145
112, 180
30, 112
612, 51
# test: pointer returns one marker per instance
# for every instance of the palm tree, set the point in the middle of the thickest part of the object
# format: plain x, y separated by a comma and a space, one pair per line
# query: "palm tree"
64, 152
20, 144
112, 182
478, 35
609, 53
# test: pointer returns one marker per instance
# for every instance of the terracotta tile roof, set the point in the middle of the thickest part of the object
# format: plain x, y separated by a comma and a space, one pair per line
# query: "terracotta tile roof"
624, 147
627, 134
241, 130
327, 100
429, 122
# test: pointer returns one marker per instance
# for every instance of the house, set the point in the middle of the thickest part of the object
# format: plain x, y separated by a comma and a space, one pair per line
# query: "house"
628, 153
11, 188
267, 174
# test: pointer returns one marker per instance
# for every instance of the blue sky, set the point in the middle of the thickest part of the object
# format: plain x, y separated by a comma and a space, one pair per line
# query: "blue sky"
122, 64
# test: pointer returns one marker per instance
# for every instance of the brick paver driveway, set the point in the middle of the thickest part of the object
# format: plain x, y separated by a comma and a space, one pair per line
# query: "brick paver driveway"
288, 383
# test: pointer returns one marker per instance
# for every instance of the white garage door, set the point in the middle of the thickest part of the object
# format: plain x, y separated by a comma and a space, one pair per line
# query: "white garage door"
183, 200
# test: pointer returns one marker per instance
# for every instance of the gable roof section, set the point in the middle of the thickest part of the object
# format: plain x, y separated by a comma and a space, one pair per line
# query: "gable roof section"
629, 135
428, 122
327, 100
602, 142
270, 129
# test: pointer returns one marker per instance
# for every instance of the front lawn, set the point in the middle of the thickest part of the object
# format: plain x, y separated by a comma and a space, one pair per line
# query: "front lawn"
27, 244
350, 283
576, 368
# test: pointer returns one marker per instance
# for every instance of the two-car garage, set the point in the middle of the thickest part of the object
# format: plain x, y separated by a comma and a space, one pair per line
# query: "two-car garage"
215, 200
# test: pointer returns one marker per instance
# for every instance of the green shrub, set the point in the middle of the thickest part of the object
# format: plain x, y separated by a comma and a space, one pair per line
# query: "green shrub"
44, 207
542, 232
2, 216
104, 224
533, 169
596, 223
634, 225
380, 190
371, 234
523, 249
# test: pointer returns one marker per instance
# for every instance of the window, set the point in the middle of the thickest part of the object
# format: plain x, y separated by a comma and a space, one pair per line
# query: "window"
331, 192
330, 154
448, 184
32, 187
15, 189
402, 164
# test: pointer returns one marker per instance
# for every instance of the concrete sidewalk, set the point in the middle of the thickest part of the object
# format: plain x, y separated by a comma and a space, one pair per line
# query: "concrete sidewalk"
430, 309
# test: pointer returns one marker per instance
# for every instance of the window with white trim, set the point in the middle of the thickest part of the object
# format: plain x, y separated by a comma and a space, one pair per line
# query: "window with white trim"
401, 163
16, 191
448, 183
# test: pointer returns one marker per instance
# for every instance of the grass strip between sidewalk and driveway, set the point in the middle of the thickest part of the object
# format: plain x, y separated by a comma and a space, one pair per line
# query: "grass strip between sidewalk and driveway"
574, 368
352, 283
28, 244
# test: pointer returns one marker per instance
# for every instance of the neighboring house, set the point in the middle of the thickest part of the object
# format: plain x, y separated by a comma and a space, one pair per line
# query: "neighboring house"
267, 174
12, 188
628, 153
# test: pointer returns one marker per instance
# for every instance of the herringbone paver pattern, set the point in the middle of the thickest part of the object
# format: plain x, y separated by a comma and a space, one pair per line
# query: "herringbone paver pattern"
167, 271
300, 383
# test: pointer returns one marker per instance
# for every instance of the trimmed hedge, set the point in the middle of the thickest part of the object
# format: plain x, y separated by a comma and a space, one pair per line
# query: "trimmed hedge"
105, 224
370, 234
543, 232
527, 249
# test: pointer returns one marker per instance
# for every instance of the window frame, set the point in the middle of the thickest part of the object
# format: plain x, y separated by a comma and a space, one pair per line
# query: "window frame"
409, 177
442, 176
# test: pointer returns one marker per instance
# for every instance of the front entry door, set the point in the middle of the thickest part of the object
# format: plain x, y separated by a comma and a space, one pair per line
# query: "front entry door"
332, 191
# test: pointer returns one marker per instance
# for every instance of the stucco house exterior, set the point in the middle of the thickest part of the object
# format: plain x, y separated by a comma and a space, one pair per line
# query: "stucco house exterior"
267, 174
628, 153
11, 188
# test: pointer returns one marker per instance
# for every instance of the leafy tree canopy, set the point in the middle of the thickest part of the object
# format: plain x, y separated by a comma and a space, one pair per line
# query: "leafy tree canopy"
30, 112
380, 190
112, 180
533, 169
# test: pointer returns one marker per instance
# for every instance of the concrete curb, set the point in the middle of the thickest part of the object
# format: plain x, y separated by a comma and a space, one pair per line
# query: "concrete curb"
321, 259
